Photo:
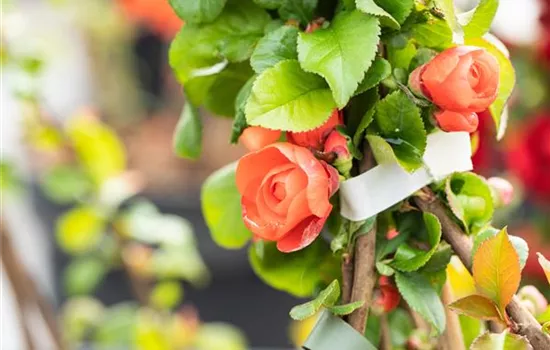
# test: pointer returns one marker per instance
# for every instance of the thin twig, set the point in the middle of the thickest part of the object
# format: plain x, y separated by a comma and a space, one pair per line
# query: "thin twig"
526, 324
385, 335
347, 277
452, 336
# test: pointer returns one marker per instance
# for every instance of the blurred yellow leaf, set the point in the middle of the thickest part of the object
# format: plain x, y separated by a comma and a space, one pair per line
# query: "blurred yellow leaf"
97, 146
300, 330
151, 333
79, 229
462, 282
545, 264
496, 269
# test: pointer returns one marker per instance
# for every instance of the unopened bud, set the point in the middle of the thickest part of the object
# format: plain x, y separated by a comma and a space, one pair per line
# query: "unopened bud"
502, 190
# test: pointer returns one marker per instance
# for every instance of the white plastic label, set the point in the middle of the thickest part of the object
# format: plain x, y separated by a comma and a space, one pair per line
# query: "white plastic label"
387, 184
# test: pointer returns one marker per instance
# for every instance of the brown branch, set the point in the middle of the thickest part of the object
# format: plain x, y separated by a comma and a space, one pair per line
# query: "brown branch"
526, 324
347, 277
25, 289
385, 335
452, 336
364, 278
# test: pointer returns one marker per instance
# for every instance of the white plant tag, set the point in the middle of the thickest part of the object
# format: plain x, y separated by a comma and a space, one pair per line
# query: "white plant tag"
386, 184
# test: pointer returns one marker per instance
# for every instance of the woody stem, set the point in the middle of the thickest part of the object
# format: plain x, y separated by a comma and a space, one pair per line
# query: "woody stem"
462, 245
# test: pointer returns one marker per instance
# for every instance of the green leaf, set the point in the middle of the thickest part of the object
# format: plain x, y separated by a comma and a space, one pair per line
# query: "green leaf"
371, 8
401, 125
471, 329
221, 207
422, 298
401, 326
117, 327
284, 97
327, 298
166, 295
269, 4
341, 53
83, 275
363, 125
409, 258
187, 140
381, 150
477, 21
507, 83
378, 71
221, 95
502, 341
401, 57
198, 11
398, 9
65, 184
477, 306
239, 123
298, 273
440, 259
346, 309
10, 181
300, 10
79, 229
279, 45
356, 111
519, 244
222, 336
447, 7
470, 200
434, 34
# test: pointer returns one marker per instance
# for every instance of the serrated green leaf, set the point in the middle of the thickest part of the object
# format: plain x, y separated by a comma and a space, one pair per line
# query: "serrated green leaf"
437, 279
422, 298
284, 97
83, 275
440, 259
198, 11
363, 125
470, 200
401, 57
519, 244
341, 53
378, 71
279, 45
477, 306
502, 341
300, 10
298, 273
409, 258
346, 309
239, 123
221, 96
371, 8
221, 207
477, 21
401, 125
434, 34
506, 85
187, 140
326, 298
398, 9
357, 108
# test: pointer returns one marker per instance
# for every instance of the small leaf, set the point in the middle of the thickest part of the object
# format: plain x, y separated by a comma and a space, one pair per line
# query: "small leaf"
378, 71
198, 11
470, 200
519, 244
502, 341
496, 269
284, 97
545, 264
83, 275
371, 8
398, 9
341, 53
422, 298
434, 34
279, 45
239, 123
79, 229
300, 10
187, 139
221, 207
408, 258
477, 21
507, 83
346, 309
477, 306
327, 298
401, 125
363, 125
166, 295
298, 273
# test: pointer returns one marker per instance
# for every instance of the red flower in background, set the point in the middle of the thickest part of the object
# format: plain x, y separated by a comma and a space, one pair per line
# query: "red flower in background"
483, 156
156, 14
529, 157
536, 242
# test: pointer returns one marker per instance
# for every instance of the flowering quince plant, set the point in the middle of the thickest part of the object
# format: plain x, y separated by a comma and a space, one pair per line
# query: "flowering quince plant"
322, 93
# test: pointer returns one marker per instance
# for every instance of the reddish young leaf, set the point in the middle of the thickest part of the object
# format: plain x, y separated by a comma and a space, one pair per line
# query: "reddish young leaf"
496, 269
477, 306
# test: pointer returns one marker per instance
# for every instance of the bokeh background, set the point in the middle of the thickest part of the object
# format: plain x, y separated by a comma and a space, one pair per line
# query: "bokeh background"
94, 74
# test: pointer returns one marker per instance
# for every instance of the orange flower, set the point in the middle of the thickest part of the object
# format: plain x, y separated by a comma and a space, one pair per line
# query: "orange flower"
316, 138
256, 137
285, 194
460, 79
455, 121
